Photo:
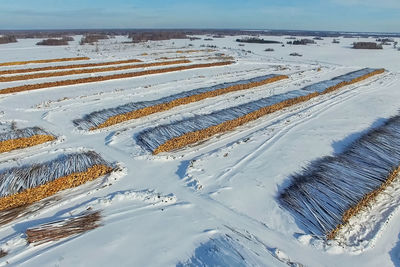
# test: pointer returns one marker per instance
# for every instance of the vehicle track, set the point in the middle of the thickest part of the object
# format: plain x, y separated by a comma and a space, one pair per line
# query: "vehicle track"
318, 105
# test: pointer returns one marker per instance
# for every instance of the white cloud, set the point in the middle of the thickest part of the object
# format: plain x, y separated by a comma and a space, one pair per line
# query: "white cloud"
370, 3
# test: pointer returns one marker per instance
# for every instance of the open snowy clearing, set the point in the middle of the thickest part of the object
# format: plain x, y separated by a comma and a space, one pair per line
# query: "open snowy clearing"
214, 202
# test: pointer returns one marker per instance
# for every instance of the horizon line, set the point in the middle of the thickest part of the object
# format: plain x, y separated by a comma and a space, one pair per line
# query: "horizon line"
198, 29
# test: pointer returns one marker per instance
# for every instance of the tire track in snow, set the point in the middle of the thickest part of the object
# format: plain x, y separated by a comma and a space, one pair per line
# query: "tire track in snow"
331, 100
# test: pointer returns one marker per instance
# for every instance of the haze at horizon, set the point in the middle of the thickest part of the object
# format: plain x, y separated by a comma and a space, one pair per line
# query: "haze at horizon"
340, 15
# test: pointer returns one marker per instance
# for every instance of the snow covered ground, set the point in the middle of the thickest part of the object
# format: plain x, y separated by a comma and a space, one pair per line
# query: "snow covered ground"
213, 203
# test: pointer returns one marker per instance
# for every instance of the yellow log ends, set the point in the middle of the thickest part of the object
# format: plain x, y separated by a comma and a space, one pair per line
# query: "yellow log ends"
182, 101
43, 61
196, 136
84, 71
32, 195
36, 86
363, 203
12, 144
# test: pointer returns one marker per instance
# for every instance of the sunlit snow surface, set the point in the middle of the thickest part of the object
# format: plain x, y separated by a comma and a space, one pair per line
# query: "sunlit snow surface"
215, 202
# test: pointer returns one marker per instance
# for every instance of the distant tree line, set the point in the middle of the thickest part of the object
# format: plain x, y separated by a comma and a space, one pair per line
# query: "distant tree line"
52, 41
93, 38
140, 37
7, 39
366, 45
20, 34
301, 42
385, 40
256, 40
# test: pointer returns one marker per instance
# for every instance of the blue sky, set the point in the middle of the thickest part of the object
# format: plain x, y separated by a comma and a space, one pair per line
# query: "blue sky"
343, 15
